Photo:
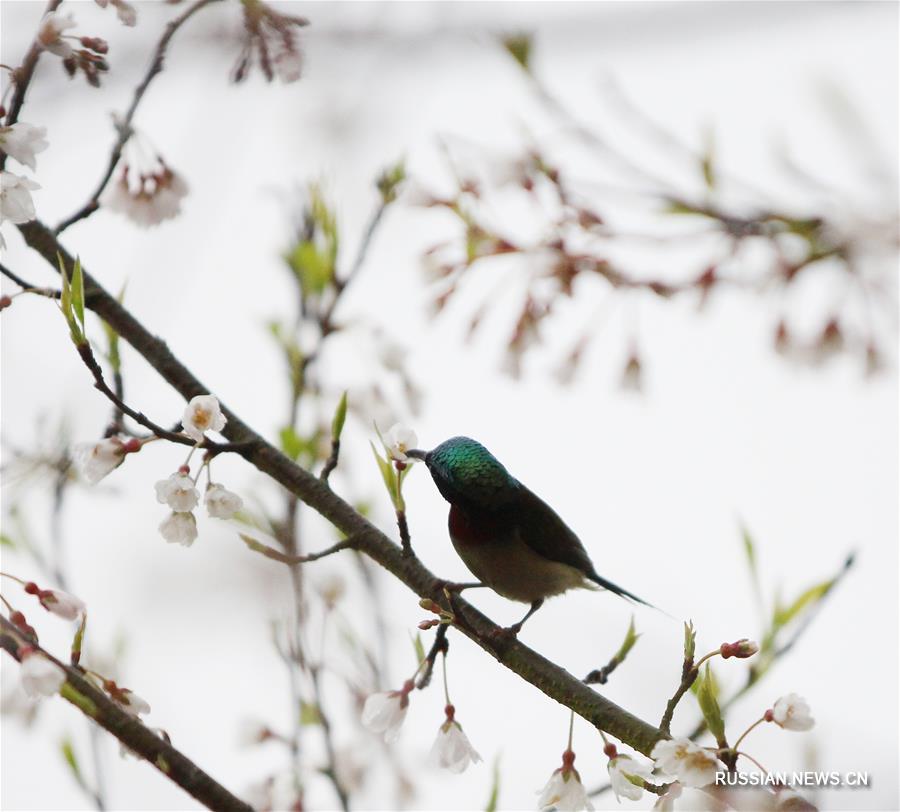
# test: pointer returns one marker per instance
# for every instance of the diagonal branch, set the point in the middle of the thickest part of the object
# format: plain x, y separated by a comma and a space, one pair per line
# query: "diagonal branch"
129, 730
545, 675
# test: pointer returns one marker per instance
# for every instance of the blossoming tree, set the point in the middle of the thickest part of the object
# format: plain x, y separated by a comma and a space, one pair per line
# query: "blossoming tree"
644, 759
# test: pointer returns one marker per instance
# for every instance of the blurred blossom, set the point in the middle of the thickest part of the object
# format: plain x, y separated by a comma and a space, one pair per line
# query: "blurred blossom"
178, 492
131, 703
38, 675
221, 503
688, 762
384, 712
452, 749
50, 33
22, 141
96, 460
272, 36
147, 198
564, 792
666, 802
792, 712
351, 766
179, 528
202, 414
632, 375
251, 732
623, 772
16, 204
59, 603
332, 588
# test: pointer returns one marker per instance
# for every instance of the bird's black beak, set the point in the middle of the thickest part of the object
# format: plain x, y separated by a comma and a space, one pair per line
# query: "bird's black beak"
417, 454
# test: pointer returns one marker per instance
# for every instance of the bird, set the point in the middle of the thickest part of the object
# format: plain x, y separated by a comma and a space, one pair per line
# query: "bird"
509, 538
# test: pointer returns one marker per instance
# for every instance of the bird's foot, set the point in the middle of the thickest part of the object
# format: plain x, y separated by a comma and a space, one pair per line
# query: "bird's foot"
507, 633
454, 587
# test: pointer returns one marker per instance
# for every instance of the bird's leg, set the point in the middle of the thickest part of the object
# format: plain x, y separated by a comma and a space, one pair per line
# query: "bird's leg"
452, 589
513, 630
451, 586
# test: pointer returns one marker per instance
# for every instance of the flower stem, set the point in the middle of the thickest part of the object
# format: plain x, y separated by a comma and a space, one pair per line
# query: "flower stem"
444, 669
571, 729
744, 734
748, 756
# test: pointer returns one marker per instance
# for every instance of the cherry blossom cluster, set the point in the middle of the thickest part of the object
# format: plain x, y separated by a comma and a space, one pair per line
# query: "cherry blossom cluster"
21, 142
147, 190
272, 36
385, 712
89, 59
179, 491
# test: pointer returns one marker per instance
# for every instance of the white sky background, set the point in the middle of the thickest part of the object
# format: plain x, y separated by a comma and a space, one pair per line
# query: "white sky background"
652, 484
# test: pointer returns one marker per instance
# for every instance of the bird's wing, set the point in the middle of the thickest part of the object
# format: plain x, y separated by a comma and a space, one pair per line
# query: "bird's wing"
541, 528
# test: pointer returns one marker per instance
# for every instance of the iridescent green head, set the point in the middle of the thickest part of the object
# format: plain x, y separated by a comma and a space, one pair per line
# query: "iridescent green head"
468, 475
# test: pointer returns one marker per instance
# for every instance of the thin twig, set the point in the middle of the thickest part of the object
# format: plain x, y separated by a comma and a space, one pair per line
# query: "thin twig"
403, 527
124, 126
440, 645
27, 286
211, 447
22, 77
332, 461
293, 560
753, 676
689, 673
129, 730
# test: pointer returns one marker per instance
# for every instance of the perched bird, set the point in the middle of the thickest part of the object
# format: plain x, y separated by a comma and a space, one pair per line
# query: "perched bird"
511, 540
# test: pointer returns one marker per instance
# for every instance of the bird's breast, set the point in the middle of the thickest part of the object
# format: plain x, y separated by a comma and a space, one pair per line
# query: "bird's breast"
493, 550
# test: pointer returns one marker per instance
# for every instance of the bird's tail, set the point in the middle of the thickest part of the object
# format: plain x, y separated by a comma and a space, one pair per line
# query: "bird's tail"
624, 593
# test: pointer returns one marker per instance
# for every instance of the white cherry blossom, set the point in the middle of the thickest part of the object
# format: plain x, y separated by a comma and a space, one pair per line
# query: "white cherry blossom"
179, 528
22, 141
178, 492
791, 712
202, 414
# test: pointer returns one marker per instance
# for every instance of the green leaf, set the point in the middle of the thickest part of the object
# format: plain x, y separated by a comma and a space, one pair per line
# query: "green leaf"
690, 641
806, 598
387, 474
291, 442
68, 753
681, 207
495, 788
311, 266
340, 415
78, 292
112, 348
707, 162
309, 713
389, 181
519, 47
628, 642
706, 698
6, 541
419, 647
78, 641
749, 549
66, 303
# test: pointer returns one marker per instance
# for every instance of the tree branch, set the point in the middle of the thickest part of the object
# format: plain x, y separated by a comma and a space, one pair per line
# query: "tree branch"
22, 76
124, 126
129, 730
548, 677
